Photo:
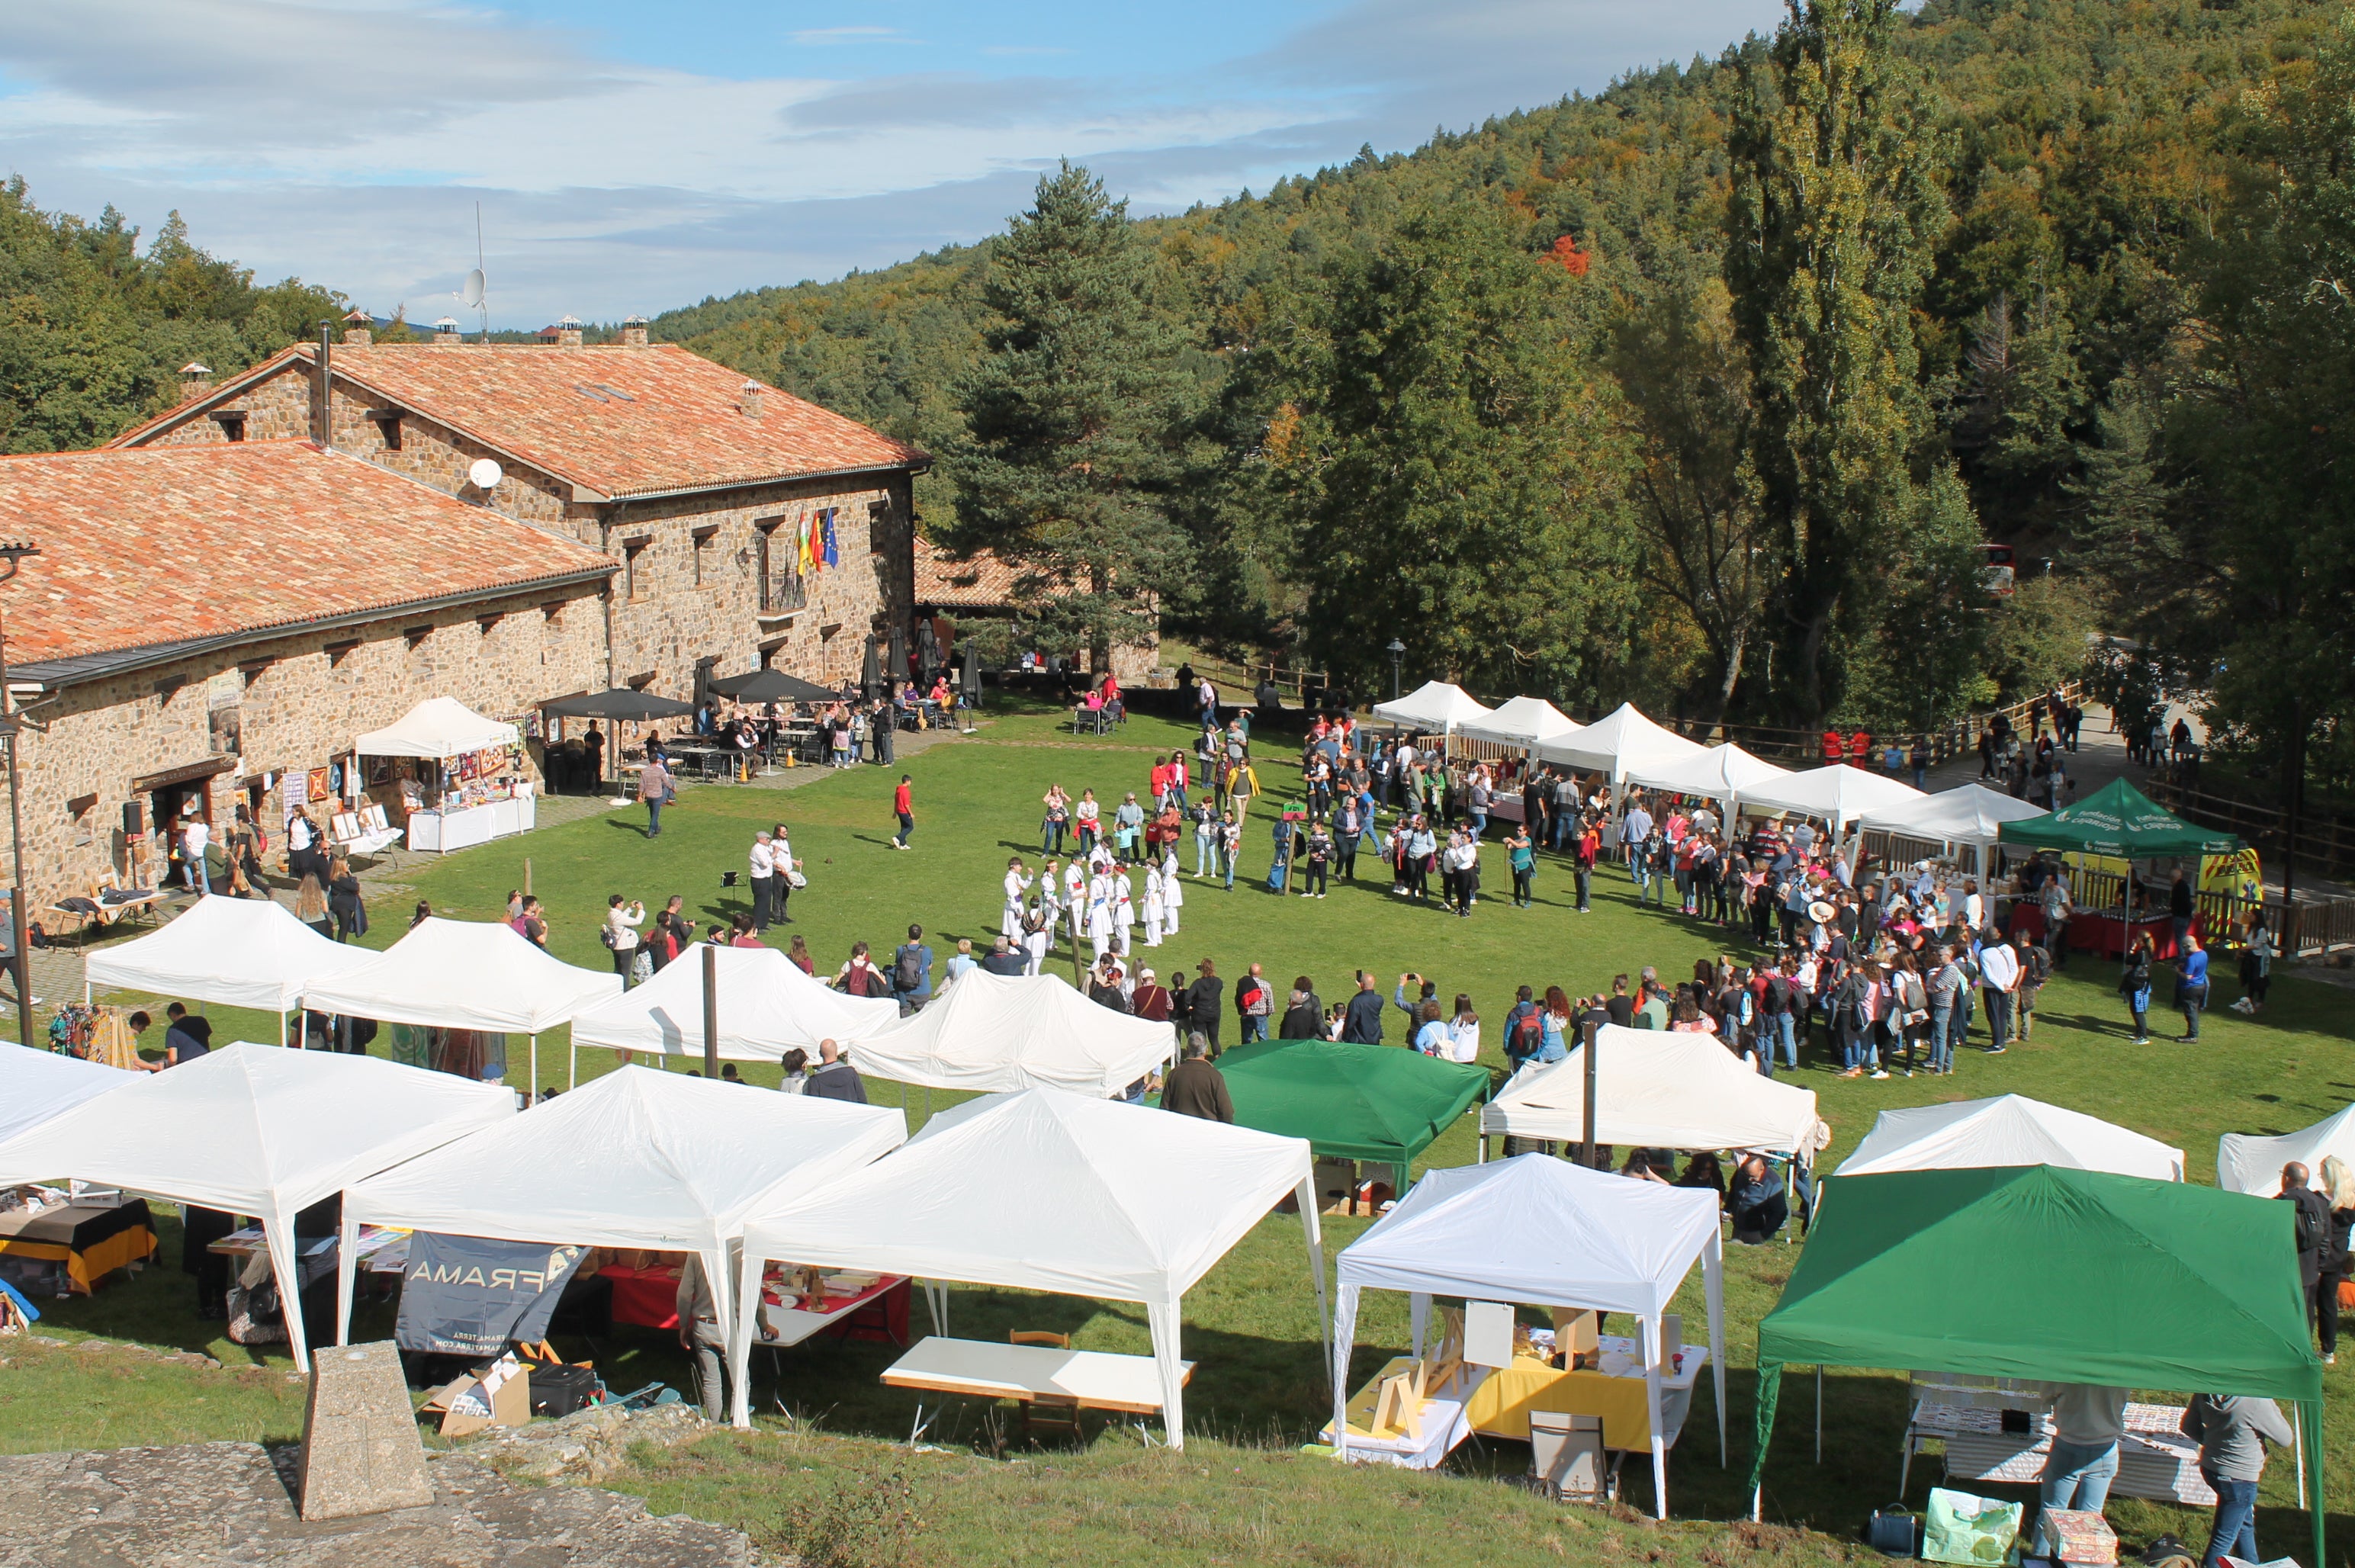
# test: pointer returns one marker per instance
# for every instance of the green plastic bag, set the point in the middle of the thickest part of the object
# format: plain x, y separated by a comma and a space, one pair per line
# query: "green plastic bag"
1962, 1529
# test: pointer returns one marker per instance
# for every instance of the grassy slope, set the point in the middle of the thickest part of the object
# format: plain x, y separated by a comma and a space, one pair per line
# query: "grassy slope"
1251, 1322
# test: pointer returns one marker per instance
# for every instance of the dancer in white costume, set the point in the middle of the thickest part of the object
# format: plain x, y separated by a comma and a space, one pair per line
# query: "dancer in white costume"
1010, 918
1075, 899
1098, 896
1124, 913
1037, 927
1173, 892
1155, 906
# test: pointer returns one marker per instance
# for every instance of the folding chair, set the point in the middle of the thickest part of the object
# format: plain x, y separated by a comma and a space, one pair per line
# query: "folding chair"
1046, 1412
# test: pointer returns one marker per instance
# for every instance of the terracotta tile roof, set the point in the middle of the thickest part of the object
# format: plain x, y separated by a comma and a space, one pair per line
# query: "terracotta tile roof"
619, 420
170, 543
982, 582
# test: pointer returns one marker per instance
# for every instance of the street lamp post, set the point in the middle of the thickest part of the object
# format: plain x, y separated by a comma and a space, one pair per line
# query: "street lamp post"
1397, 651
12, 555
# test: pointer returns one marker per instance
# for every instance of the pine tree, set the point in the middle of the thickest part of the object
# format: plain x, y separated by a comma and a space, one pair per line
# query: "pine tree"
1455, 457
1072, 418
1836, 211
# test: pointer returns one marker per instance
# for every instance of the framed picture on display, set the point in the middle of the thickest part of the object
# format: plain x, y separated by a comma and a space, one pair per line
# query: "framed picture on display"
319, 788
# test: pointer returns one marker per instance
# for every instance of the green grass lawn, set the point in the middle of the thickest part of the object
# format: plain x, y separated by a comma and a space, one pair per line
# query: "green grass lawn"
1235, 1494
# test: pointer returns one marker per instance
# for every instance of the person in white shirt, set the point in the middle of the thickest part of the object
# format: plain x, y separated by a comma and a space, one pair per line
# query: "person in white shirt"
1099, 897
1974, 911
1075, 900
1173, 891
1009, 918
1999, 978
195, 833
780, 891
763, 862
1124, 913
1050, 897
1037, 930
1156, 905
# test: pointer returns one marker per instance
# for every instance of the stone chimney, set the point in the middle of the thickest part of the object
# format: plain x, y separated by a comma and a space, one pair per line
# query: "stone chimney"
195, 380
568, 332
446, 331
748, 400
356, 328
634, 332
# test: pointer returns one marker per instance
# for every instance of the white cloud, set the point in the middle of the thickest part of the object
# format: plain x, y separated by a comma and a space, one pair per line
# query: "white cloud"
349, 142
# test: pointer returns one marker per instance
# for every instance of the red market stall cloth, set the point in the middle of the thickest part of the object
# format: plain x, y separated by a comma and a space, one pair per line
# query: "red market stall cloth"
646, 1296
2105, 934
91, 1240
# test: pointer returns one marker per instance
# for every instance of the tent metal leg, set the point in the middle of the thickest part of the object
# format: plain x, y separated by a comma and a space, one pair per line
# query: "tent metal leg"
1819, 1415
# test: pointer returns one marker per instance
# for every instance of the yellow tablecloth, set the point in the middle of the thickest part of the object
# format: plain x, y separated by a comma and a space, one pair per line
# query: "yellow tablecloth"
1500, 1406
1360, 1408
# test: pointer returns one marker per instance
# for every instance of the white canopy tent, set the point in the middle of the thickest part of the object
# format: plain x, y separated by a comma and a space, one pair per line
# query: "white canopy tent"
257, 1130
1722, 773
1544, 1233
1839, 794
1524, 722
636, 1158
1968, 814
1433, 705
1657, 1090
2010, 1129
767, 1006
2248, 1163
235, 953
995, 1033
458, 974
437, 727
1619, 745
37, 1085
1045, 1191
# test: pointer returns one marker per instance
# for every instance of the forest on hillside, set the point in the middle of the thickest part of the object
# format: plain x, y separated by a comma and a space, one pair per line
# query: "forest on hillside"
1709, 390
2110, 180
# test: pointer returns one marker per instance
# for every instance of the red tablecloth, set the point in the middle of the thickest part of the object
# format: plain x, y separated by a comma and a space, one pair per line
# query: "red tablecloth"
646, 1297
2107, 935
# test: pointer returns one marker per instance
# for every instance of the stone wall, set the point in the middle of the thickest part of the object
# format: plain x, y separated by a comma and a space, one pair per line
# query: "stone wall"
297, 706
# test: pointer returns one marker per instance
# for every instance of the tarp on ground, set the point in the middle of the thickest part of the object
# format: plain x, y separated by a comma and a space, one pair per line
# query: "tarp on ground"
2119, 819
1045, 1191
257, 1129
35, 1085
1620, 743
1721, 772
1350, 1102
1541, 1232
2251, 1162
1433, 705
992, 1034
767, 1006
2064, 1275
1523, 721
2010, 1129
233, 953
437, 727
1657, 1090
638, 1158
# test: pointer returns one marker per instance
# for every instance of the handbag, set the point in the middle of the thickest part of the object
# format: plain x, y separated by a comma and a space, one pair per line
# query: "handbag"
1963, 1529
1895, 1531
793, 879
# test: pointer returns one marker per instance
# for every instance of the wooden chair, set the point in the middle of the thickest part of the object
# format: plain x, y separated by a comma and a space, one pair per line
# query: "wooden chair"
1045, 1414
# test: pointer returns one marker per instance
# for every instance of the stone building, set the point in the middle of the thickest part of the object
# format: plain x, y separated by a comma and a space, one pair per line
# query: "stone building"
700, 483
964, 592
204, 626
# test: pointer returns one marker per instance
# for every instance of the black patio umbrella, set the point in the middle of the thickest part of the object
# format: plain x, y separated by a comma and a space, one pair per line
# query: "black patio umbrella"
620, 703
899, 654
772, 686
870, 675
972, 676
928, 651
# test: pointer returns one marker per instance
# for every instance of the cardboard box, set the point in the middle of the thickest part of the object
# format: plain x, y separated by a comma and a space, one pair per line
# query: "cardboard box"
2080, 1537
495, 1395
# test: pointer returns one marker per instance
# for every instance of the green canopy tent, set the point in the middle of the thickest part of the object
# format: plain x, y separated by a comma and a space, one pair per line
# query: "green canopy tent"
1350, 1102
2119, 820
2037, 1272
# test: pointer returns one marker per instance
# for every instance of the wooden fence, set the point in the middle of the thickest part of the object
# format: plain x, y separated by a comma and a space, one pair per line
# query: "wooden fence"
2323, 839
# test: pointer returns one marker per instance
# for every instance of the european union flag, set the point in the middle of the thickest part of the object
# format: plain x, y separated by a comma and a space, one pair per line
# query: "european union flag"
832, 556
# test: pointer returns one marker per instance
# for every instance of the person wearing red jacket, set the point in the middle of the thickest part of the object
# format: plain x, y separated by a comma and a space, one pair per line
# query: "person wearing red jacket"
1859, 750
903, 804
1834, 749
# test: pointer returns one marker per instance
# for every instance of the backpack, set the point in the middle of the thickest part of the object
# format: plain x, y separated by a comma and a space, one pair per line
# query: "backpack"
860, 980
1528, 1037
1778, 994
908, 969
2311, 1227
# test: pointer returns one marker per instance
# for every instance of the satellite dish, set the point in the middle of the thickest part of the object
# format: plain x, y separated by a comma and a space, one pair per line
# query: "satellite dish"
484, 473
472, 292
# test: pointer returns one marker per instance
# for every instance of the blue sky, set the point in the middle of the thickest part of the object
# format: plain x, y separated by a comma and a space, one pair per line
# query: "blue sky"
633, 157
